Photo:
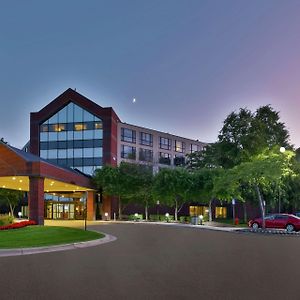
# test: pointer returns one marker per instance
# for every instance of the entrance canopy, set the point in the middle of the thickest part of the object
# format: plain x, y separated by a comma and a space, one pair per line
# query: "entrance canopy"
26, 172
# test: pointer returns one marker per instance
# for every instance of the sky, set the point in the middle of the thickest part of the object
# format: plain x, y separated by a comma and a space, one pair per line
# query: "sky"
187, 63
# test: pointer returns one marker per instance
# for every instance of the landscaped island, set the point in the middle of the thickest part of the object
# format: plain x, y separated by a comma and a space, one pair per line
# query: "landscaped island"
39, 236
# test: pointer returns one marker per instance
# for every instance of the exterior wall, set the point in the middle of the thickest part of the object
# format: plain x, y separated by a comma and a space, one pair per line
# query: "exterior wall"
156, 145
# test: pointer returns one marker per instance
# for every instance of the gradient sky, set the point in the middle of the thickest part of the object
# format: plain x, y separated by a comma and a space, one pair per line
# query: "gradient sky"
187, 63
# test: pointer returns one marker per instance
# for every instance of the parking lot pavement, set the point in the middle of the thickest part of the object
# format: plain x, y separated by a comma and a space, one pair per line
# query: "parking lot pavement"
160, 262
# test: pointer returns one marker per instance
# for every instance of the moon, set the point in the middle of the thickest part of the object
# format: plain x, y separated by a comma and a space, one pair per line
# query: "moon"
133, 100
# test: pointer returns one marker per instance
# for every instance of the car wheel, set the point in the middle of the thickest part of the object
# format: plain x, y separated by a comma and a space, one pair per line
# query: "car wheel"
255, 226
290, 228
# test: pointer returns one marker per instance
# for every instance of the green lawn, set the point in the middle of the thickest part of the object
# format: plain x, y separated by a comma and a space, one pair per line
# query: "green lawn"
38, 236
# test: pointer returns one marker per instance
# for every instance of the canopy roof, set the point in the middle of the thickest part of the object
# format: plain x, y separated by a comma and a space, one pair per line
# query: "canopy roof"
17, 166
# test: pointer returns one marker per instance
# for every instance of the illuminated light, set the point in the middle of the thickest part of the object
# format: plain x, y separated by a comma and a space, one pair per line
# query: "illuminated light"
73, 191
20, 189
54, 194
47, 191
3, 186
63, 196
282, 149
14, 178
20, 180
133, 100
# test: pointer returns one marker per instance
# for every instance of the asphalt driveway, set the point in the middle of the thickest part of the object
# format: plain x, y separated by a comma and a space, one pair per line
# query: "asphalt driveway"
160, 262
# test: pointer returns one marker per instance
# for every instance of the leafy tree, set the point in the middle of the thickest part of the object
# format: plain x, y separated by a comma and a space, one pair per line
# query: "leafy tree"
10, 198
203, 185
173, 187
244, 134
138, 184
258, 175
112, 181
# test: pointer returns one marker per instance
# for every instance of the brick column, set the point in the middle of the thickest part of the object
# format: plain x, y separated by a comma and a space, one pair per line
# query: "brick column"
91, 206
36, 199
106, 207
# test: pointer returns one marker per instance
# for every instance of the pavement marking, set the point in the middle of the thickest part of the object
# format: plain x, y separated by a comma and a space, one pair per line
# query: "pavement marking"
78, 245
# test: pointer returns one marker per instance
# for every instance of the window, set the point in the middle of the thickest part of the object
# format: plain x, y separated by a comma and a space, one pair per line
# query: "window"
194, 148
221, 212
146, 139
146, 155
199, 210
72, 137
164, 158
128, 135
179, 146
164, 143
128, 152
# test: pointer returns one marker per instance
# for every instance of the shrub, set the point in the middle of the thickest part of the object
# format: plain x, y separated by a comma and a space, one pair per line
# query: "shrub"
6, 219
135, 218
162, 218
185, 219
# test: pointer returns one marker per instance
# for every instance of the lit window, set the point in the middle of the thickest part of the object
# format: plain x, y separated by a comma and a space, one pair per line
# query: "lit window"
179, 146
98, 125
80, 126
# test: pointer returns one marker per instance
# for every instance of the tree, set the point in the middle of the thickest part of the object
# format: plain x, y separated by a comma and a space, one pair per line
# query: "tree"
112, 181
259, 175
10, 198
203, 185
244, 134
173, 187
140, 178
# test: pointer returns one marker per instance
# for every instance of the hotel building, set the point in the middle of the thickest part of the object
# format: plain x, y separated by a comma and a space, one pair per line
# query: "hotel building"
74, 133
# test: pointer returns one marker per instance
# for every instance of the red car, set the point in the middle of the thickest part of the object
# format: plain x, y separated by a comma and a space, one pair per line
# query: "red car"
282, 221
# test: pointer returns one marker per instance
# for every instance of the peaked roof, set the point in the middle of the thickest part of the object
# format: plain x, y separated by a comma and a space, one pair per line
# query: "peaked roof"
68, 96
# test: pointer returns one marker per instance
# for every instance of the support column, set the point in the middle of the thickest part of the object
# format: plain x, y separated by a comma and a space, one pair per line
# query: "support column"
106, 208
36, 199
91, 206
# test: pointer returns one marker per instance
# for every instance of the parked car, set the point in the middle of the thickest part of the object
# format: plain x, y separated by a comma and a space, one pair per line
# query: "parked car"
297, 214
282, 221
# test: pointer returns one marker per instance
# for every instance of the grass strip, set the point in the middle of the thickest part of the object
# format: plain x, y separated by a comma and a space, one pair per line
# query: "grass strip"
39, 236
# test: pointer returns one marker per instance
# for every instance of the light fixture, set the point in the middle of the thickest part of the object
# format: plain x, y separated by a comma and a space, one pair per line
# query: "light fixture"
20, 180
14, 178
282, 149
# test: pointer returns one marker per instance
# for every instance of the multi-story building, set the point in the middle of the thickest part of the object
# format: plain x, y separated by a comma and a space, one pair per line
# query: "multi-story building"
74, 132
155, 148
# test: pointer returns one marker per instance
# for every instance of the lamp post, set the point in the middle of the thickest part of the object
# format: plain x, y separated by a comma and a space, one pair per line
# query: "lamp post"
233, 210
106, 216
157, 208
282, 150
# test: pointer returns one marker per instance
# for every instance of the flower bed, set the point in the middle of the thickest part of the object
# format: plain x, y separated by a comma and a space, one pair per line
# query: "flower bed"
17, 225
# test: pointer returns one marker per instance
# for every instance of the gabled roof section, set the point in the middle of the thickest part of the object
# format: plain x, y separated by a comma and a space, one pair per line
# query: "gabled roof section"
72, 96
15, 162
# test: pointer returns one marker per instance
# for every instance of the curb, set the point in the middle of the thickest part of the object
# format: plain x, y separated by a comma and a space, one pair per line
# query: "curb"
79, 245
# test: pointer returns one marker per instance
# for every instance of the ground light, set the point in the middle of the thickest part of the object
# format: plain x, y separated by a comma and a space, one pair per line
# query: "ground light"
201, 219
106, 216
167, 216
136, 216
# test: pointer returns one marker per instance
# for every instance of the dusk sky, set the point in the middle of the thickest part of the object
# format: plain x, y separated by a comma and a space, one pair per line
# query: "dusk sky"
187, 63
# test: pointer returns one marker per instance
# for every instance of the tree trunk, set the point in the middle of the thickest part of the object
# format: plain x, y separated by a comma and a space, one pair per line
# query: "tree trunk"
176, 210
146, 211
245, 212
210, 211
262, 207
11, 208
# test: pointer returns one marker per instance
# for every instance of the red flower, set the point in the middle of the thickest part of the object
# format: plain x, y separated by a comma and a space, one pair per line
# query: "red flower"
18, 225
